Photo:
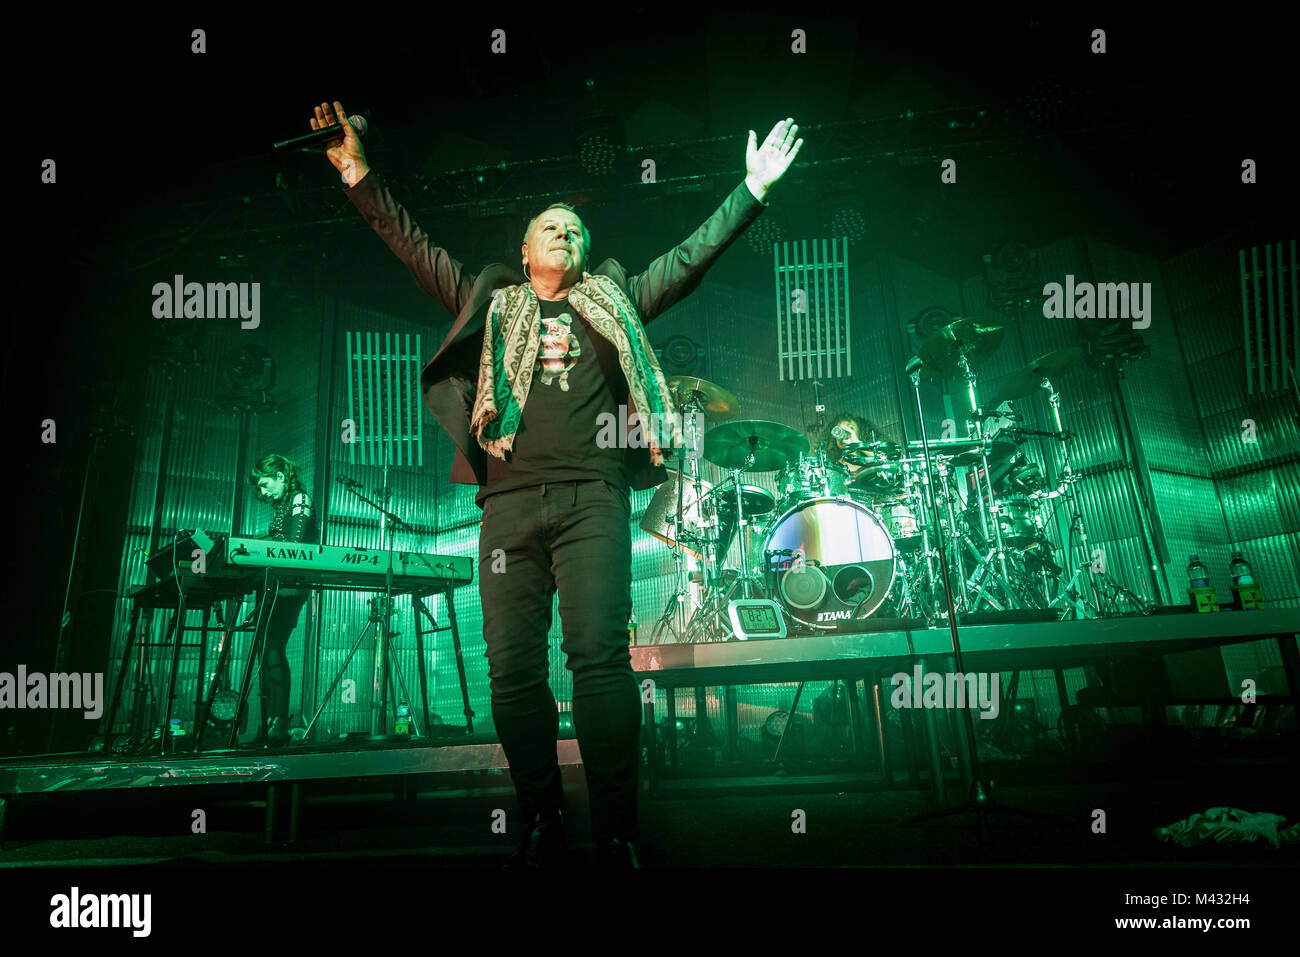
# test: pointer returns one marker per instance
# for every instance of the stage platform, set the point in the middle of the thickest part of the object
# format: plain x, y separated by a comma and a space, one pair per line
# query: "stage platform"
855, 657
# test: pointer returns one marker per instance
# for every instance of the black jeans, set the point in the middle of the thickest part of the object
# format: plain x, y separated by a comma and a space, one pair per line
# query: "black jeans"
277, 680
574, 538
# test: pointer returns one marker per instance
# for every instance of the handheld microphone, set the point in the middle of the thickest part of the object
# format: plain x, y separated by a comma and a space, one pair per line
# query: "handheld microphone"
319, 139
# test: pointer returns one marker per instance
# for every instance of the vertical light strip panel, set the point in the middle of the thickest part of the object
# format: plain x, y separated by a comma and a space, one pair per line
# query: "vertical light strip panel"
372, 397
419, 404
828, 317
363, 394
835, 304
782, 323
848, 338
832, 317
792, 321
819, 314
408, 420
352, 413
801, 317
391, 430
813, 341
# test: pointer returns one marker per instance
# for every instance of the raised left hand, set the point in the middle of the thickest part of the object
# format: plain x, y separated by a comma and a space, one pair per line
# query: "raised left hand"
766, 164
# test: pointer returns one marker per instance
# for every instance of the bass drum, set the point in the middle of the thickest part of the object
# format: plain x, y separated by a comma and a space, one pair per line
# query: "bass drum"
828, 560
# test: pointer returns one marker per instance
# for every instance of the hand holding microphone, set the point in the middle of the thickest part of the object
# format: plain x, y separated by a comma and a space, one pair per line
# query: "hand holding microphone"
347, 154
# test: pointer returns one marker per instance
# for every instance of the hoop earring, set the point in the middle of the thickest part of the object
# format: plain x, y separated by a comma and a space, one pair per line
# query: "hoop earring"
526, 276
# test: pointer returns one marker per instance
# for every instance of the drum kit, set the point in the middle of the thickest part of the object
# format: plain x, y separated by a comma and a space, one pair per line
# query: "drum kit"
847, 540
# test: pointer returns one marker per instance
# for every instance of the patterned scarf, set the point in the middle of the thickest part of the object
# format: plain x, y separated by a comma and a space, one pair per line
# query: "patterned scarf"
512, 338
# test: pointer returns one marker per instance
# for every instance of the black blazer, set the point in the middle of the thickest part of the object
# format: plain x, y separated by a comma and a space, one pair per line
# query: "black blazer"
450, 378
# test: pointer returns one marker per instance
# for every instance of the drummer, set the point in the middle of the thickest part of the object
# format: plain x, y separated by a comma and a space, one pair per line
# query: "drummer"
852, 431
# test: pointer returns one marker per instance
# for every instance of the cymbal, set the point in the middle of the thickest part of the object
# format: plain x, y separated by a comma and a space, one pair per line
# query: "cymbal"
1028, 380
772, 444
977, 339
717, 404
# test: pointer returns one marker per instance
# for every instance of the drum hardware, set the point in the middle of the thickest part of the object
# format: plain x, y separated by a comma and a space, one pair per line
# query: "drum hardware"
713, 620
693, 397
753, 445
869, 453
811, 476
954, 351
979, 799
699, 395
1028, 380
951, 350
1097, 585
984, 490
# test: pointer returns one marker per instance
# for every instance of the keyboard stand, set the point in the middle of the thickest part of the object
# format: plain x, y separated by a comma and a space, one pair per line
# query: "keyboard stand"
417, 602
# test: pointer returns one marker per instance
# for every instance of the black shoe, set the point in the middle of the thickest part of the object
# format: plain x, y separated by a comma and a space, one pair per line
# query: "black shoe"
277, 733
544, 844
271, 736
616, 854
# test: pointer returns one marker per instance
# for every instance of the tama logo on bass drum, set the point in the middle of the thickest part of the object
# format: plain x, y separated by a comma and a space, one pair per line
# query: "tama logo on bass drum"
835, 615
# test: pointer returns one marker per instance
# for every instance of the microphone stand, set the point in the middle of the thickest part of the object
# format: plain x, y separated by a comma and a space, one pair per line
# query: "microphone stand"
979, 798
381, 610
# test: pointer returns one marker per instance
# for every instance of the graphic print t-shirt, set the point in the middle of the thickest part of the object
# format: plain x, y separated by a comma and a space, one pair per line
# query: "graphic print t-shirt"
576, 379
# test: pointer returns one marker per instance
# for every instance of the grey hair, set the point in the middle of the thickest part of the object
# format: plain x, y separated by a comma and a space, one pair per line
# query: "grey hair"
586, 232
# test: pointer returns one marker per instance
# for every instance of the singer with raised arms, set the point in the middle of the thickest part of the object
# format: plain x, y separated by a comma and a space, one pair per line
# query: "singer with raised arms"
535, 357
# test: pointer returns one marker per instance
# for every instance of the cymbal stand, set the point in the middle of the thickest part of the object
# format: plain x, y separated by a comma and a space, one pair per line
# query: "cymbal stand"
740, 518
711, 621
673, 617
990, 514
988, 507
947, 492
674, 614
1099, 588
980, 800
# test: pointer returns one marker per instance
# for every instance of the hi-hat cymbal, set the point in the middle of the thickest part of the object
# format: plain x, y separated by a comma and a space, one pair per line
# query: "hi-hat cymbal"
690, 392
1028, 380
977, 339
771, 443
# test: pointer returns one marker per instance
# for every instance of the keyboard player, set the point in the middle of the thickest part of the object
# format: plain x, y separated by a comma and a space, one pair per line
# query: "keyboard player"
279, 484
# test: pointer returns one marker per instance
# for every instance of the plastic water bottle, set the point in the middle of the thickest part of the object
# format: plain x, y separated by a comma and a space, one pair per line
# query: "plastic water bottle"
631, 629
403, 723
1198, 575
1240, 571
